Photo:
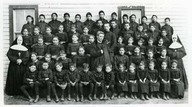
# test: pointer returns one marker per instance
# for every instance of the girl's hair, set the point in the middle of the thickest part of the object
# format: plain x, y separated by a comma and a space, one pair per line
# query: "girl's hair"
59, 63
31, 18
37, 27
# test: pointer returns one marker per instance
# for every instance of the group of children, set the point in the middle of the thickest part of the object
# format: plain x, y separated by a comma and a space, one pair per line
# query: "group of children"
62, 56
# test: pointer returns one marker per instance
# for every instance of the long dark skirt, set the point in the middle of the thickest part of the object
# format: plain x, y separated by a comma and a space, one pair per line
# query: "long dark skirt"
144, 87
154, 87
165, 87
14, 79
177, 88
184, 75
133, 87
122, 88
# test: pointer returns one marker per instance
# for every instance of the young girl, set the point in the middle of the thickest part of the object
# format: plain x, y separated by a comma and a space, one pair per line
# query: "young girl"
27, 39
55, 48
164, 76
29, 25
141, 46
168, 27
48, 37
163, 58
40, 48
121, 58
151, 46
159, 47
130, 47
150, 57
153, 77
122, 81
132, 81
59, 80
84, 38
63, 37
143, 81
177, 84
36, 35
118, 45
81, 58
137, 57
35, 61
64, 60
73, 47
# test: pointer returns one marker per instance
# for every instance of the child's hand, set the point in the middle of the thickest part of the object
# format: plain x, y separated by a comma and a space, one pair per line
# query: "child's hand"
73, 53
101, 51
46, 79
54, 56
107, 86
140, 80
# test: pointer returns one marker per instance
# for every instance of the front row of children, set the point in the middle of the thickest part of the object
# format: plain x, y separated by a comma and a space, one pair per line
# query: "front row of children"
135, 81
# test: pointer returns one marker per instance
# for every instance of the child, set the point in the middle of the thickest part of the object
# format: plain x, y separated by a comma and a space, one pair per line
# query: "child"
60, 81
35, 61
98, 27
122, 81
47, 58
177, 84
138, 34
73, 47
121, 58
45, 78
63, 37
73, 79
168, 27
133, 23
89, 22
86, 80
27, 39
153, 77
130, 47
64, 60
114, 19
155, 23
78, 24
163, 58
48, 37
141, 46
132, 81
150, 45
136, 58
109, 80
159, 47
115, 27
84, 38
42, 24
81, 58
143, 81
73, 31
30, 81
164, 75
98, 79
126, 33
118, 45
67, 23
125, 20
165, 38
153, 33
36, 35
144, 23
150, 57
102, 17
29, 25
54, 23
39, 48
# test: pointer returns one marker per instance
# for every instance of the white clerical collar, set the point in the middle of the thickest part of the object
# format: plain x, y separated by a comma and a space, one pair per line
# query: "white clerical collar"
175, 45
19, 47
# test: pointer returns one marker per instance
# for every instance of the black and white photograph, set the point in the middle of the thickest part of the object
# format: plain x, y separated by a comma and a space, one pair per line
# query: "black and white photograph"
129, 52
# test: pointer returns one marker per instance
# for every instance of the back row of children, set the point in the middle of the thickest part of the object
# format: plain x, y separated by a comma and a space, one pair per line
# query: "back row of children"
101, 46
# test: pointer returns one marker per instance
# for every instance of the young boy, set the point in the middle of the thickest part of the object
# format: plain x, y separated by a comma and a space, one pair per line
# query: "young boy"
78, 24
48, 36
54, 23
155, 23
67, 23
153, 77
102, 17
132, 81
64, 60
45, 78
164, 76
85, 80
177, 85
144, 23
126, 33
31, 81
143, 81
109, 80
115, 28
36, 35
73, 79
153, 33
89, 22
42, 24
130, 47
60, 81
133, 23
39, 48
27, 39
47, 58
168, 27
98, 79
63, 37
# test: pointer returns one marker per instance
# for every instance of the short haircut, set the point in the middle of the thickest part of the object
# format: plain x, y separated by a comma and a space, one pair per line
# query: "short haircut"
78, 15
114, 13
53, 14
59, 63
101, 11
42, 15
66, 14
125, 15
144, 17
167, 18
88, 13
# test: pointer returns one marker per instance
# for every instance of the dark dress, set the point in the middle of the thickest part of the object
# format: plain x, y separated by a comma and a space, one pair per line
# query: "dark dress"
126, 34
154, 76
54, 24
29, 26
42, 25
122, 76
80, 60
142, 74
90, 25
65, 63
131, 79
55, 49
121, 59
15, 72
164, 74
136, 59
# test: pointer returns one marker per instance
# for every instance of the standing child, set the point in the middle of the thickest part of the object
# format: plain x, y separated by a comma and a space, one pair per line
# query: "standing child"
45, 78
98, 79
168, 27
73, 79
63, 37
132, 81
48, 37
78, 24
177, 84
30, 81
86, 80
118, 45
130, 47
27, 39
155, 23
164, 76
144, 23
42, 24
36, 35
64, 60
122, 81
133, 23
142, 74
54, 23
60, 81
126, 33
67, 23
153, 77
89, 22
29, 25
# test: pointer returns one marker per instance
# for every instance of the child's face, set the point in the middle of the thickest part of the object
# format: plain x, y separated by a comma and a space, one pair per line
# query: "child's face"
150, 54
113, 24
89, 17
140, 28
45, 65
125, 19
48, 30
154, 18
114, 16
81, 51
86, 69
108, 69
72, 68
106, 27
151, 66
152, 28
122, 68
126, 26
66, 17
130, 41
163, 52
133, 18
85, 30
25, 32
100, 37
54, 17
73, 29
74, 38
63, 55
164, 33
59, 68
121, 51
164, 65
36, 31
150, 42
174, 65
137, 50
19, 40
77, 18
141, 66
41, 18
131, 68
48, 58
140, 43
99, 69
32, 68
33, 57
100, 23
91, 39
61, 28
101, 15
29, 19
160, 41
120, 40
144, 20
55, 41
167, 22
40, 41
